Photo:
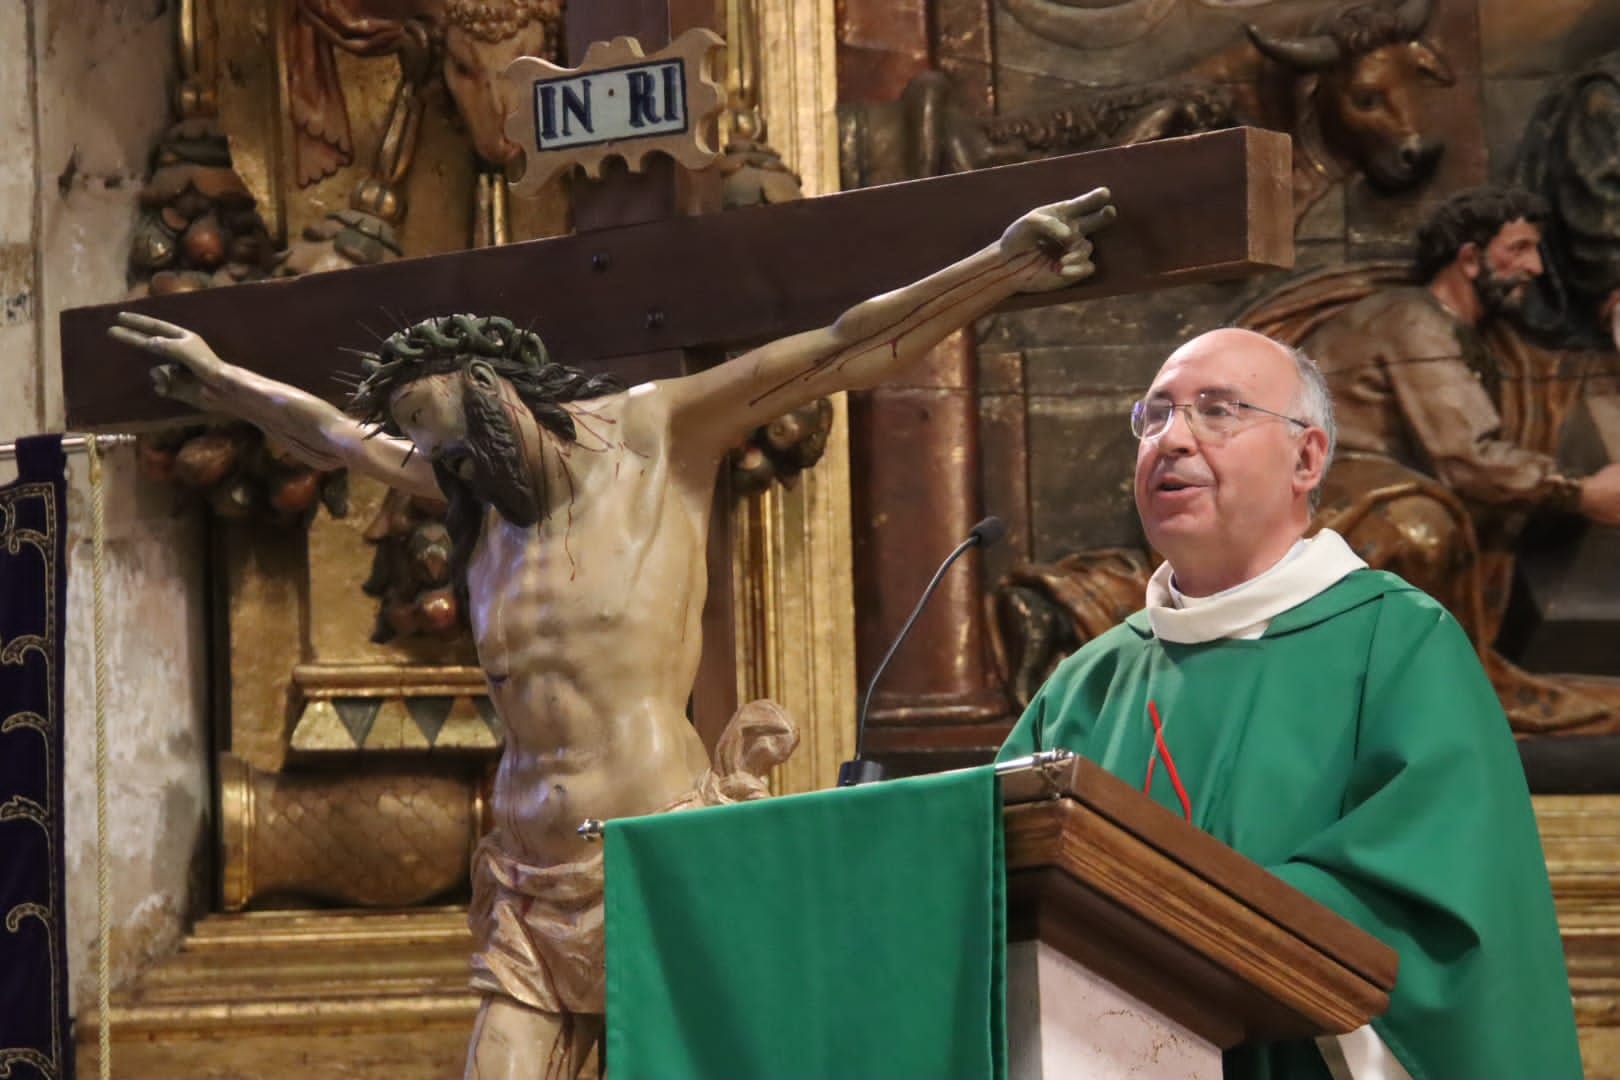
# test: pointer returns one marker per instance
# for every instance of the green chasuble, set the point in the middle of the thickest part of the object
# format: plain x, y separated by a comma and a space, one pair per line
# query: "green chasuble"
858, 932
1357, 751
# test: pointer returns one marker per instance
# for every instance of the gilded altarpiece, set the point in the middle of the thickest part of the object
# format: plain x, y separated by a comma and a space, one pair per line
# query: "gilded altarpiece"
354, 768
351, 771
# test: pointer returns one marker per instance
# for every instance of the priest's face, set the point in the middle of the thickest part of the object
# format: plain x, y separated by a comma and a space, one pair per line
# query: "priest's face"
1224, 506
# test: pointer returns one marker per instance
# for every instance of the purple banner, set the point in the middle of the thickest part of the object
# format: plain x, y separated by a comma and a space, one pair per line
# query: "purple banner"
35, 1037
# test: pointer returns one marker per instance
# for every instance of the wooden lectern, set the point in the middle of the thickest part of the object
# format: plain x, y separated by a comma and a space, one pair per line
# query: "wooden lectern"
1139, 945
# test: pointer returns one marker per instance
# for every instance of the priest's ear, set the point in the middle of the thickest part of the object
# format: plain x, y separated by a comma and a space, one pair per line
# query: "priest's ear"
1311, 461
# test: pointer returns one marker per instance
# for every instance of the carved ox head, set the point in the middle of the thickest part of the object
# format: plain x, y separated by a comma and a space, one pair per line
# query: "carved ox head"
479, 38
1366, 65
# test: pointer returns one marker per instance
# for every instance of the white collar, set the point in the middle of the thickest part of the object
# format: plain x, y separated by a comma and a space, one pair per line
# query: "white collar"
1246, 609
1180, 600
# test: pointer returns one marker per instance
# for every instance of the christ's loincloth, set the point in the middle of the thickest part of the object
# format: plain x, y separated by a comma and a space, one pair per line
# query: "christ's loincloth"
538, 930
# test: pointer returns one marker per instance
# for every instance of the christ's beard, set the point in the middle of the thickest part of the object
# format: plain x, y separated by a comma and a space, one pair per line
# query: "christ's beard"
500, 474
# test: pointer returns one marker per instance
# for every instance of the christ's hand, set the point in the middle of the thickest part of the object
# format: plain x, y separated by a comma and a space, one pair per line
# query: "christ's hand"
1061, 233
196, 373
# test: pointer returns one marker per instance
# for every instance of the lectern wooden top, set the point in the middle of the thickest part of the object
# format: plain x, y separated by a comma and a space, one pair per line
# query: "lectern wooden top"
1179, 920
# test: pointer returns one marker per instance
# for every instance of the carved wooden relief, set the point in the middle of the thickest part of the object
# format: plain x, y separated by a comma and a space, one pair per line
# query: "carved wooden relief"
1392, 105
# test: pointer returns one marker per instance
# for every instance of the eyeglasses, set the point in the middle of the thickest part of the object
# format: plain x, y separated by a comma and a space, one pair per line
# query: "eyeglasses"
1213, 415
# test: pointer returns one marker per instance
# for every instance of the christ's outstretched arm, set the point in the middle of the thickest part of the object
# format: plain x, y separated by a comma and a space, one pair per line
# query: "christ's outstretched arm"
1047, 248
313, 430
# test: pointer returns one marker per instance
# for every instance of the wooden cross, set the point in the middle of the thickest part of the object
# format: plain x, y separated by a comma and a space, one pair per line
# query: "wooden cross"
648, 290
632, 298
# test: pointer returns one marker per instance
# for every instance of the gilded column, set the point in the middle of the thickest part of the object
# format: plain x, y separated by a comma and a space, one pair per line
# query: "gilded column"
794, 618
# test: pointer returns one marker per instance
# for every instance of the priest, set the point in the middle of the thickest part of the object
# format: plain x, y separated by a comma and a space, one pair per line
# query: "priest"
1329, 721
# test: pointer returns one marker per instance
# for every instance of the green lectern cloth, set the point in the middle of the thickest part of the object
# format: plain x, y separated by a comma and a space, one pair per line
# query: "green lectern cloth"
857, 932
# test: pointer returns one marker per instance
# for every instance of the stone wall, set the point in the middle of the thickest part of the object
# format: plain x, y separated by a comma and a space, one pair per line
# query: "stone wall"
83, 94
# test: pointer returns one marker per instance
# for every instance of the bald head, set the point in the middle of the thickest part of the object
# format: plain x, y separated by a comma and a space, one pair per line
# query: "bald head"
1234, 337
1268, 363
1226, 488
1312, 399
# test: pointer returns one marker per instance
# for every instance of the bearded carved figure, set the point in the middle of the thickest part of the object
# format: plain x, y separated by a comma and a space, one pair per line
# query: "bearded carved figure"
419, 574
488, 469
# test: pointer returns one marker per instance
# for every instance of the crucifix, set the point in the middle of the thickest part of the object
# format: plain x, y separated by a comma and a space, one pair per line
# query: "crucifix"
652, 295
608, 297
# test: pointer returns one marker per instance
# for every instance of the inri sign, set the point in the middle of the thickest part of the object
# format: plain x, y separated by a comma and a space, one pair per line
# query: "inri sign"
618, 102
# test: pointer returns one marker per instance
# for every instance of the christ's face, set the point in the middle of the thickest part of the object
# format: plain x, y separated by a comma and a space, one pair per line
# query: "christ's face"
430, 413
470, 425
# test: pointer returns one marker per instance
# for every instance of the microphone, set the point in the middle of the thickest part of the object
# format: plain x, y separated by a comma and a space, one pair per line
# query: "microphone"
987, 532
858, 770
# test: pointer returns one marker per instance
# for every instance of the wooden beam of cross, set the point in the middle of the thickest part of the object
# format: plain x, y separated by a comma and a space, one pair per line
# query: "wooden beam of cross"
1201, 208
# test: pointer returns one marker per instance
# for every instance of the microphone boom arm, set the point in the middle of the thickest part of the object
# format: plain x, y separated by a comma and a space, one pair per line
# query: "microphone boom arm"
857, 770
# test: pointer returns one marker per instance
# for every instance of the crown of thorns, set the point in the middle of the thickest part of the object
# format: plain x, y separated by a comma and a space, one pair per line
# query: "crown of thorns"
440, 344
